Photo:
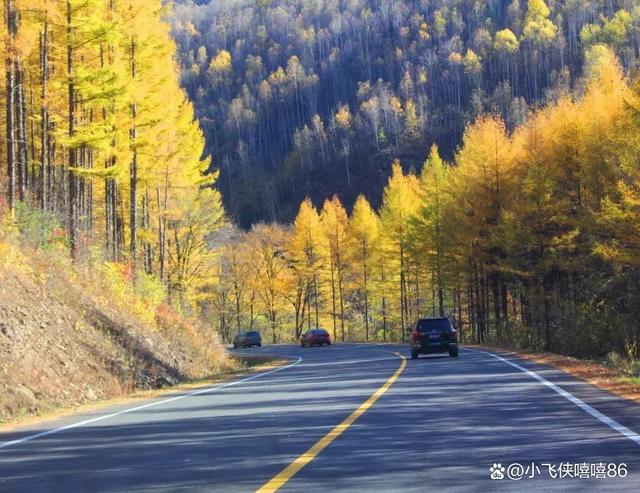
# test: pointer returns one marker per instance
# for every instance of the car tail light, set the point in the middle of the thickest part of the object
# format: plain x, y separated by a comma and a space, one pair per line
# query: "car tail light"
416, 335
454, 333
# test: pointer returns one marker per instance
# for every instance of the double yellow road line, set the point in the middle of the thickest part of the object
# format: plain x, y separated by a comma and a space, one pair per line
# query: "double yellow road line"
280, 479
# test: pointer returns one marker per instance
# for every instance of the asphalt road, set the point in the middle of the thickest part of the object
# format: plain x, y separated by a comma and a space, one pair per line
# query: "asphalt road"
438, 427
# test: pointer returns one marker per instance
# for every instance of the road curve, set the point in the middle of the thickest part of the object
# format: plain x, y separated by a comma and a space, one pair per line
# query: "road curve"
439, 425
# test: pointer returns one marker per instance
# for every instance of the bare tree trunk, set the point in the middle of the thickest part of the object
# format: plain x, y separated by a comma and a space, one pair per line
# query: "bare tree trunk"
478, 306
44, 116
333, 299
11, 19
402, 297
315, 296
146, 217
384, 306
162, 228
272, 314
133, 172
237, 295
31, 159
72, 187
22, 130
341, 304
366, 298
309, 304
497, 311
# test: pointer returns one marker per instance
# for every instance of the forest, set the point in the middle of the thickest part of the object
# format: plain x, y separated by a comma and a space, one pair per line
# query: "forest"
528, 238
310, 98
92, 150
524, 229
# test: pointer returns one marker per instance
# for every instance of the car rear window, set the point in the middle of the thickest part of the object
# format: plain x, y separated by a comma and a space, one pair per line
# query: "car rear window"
253, 333
319, 332
439, 324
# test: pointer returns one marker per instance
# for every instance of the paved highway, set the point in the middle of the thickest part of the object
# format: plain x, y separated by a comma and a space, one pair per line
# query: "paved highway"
343, 418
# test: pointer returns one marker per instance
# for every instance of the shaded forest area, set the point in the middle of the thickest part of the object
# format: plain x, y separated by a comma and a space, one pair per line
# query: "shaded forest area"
308, 97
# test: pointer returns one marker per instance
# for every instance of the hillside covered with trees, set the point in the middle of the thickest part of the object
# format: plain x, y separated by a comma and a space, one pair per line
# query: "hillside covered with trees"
91, 143
527, 232
529, 237
105, 207
305, 97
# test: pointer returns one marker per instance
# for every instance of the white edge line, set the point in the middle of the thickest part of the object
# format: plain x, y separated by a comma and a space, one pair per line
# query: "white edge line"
214, 388
611, 423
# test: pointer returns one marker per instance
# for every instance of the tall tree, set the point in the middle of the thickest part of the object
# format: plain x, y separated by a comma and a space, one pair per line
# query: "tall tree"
305, 250
399, 204
364, 233
428, 230
335, 222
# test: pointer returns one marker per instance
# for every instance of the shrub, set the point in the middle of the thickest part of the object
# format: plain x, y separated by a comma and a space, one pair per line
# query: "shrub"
150, 289
38, 229
628, 366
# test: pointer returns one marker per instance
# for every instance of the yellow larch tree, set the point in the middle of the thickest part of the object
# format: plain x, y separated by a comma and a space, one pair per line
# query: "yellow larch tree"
305, 250
399, 204
364, 232
335, 223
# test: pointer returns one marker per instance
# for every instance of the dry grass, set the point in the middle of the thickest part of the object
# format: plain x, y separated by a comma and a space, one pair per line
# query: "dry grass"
76, 334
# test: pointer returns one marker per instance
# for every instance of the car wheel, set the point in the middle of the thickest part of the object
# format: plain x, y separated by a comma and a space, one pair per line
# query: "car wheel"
328, 344
414, 355
260, 345
453, 353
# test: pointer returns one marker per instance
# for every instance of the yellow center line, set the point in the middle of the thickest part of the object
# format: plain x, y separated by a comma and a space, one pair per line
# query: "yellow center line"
280, 479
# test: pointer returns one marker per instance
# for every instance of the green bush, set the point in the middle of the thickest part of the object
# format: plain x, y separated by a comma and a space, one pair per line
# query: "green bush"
36, 227
150, 289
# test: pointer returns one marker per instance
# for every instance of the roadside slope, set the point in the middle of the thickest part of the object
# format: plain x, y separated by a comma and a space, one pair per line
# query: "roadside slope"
66, 340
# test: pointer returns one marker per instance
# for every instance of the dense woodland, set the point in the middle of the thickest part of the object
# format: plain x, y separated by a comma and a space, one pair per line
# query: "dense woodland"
90, 141
528, 233
310, 97
528, 237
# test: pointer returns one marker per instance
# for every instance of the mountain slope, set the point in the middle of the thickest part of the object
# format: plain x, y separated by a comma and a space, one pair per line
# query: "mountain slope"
313, 97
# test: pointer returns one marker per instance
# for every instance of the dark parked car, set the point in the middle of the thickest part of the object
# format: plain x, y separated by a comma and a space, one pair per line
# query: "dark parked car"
247, 339
317, 337
434, 335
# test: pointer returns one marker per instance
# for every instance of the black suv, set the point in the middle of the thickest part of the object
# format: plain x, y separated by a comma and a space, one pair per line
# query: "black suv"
247, 339
434, 335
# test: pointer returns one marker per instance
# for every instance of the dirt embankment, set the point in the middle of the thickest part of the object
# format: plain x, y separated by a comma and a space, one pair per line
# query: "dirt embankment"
61, 344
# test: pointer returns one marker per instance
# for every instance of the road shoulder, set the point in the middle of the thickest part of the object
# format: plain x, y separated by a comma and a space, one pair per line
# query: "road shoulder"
247, 365
591, 372
611, 409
